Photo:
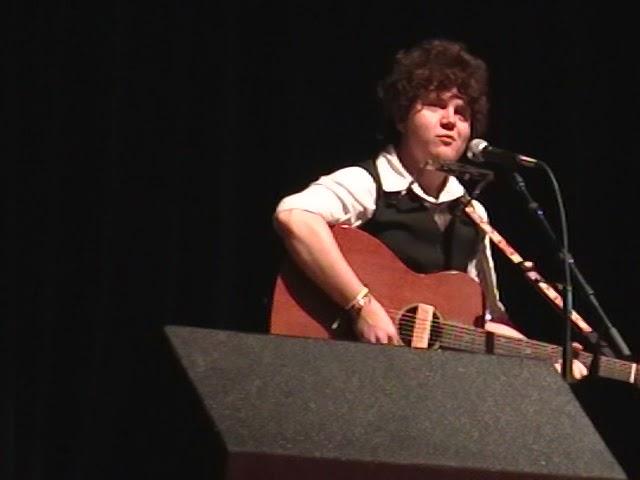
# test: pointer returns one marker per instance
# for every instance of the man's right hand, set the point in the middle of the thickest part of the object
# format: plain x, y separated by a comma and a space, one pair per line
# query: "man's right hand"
372, 324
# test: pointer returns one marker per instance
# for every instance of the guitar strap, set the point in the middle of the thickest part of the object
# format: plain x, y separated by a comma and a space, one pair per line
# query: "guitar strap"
528, 268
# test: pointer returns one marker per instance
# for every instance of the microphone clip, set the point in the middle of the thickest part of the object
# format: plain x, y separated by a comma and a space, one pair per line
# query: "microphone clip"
466, 172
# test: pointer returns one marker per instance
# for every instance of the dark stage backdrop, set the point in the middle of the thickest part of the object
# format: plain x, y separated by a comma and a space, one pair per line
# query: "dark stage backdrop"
148, 145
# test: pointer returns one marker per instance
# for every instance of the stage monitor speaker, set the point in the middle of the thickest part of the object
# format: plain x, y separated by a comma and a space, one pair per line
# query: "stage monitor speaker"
297, 408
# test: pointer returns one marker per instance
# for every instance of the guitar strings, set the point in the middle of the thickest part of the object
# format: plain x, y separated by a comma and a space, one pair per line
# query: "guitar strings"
547, 351
506, 345
455, 330
460, 336
502, 347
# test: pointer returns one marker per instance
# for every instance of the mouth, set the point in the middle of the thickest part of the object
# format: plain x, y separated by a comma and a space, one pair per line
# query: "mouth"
446, 139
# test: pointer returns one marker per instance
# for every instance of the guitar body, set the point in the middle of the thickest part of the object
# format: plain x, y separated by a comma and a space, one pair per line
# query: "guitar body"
302, 309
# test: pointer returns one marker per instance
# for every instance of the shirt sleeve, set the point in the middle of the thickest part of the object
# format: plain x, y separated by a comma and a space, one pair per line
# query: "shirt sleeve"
347, 196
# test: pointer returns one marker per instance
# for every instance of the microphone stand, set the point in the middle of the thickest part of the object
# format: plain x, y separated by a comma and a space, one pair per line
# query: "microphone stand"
571, 268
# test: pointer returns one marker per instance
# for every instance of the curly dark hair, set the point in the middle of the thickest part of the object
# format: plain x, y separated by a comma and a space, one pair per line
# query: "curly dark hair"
435, 66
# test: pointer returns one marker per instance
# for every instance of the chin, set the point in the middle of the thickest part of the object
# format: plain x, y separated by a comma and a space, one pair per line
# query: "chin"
446, 155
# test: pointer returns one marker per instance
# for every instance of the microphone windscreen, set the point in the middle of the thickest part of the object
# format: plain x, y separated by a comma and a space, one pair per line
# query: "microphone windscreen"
475, 147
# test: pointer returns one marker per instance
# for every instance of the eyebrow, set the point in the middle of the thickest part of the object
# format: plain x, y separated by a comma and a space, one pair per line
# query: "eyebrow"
435, 95
456, 96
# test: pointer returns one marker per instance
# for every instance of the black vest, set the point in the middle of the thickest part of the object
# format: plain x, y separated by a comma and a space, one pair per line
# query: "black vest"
408, 228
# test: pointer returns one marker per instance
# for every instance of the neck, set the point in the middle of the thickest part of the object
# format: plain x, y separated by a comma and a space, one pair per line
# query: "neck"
432, 182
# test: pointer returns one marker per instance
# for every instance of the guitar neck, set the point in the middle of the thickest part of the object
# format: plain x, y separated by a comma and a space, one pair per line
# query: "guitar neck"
472, 339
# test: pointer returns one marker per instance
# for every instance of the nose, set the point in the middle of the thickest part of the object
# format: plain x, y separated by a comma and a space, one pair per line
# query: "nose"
448, 118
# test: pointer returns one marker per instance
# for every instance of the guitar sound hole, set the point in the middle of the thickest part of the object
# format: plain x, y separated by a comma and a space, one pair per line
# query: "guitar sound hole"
409, 327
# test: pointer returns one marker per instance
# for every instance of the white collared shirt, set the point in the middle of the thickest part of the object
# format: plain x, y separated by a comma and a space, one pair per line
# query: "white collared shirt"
348, 196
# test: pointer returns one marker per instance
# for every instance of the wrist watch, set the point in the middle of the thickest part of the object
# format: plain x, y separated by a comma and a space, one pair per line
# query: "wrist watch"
358, 304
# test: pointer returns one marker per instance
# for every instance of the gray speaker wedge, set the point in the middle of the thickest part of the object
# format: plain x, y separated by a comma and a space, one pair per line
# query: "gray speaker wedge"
298, 408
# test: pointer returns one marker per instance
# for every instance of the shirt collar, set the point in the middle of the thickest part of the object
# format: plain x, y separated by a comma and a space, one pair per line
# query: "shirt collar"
394, 178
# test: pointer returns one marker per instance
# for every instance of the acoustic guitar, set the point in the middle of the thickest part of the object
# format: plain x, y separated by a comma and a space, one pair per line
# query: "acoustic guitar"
440, 310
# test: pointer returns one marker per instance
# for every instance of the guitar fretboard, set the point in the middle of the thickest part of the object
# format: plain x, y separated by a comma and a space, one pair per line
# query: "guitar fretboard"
472, 339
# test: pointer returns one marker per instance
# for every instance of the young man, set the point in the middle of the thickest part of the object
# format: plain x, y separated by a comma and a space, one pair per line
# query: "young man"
435, 99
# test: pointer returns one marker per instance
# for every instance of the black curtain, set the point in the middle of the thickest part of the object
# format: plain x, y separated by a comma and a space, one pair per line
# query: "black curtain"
149, 144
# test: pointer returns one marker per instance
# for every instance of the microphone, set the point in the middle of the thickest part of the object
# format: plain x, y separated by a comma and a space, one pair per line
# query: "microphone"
480, 151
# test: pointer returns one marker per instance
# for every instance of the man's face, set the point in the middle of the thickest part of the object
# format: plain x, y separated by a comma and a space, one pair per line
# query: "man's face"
438, 126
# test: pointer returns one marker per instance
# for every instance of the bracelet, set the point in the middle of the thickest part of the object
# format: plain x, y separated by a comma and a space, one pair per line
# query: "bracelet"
359, 300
